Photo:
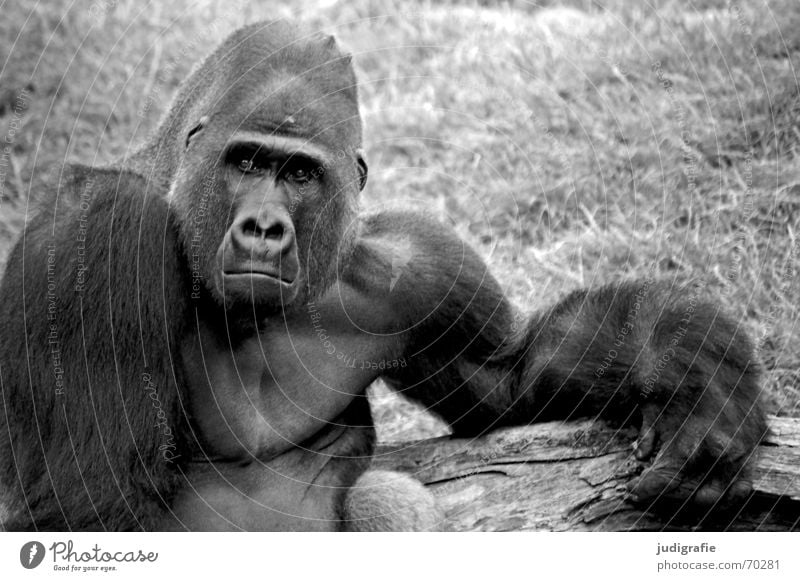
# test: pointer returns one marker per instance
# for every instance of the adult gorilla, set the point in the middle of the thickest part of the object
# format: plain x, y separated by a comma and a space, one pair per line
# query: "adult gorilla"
187, 336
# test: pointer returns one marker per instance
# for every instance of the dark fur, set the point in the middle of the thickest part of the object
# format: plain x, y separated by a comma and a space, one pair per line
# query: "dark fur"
93, 454
596, 352
98, 455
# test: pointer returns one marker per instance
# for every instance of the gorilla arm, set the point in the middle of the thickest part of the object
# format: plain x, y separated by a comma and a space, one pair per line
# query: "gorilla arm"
91, 305
643, 350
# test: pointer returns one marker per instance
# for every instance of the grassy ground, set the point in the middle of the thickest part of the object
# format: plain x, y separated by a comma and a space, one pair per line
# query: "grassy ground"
573, 143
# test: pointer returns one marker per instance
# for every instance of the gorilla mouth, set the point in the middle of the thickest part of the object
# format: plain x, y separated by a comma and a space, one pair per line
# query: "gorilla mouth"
257, 282
257, 274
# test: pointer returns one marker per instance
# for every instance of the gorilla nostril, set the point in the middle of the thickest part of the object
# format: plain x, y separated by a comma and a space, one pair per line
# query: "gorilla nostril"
271, 230
274, 232
262, 236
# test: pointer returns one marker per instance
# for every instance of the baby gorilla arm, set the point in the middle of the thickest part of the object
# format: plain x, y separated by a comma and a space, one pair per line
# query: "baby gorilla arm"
648, 350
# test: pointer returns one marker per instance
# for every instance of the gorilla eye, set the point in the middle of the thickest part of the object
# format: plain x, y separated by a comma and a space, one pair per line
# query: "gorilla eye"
300, 175
246, 165
247, 159
301, 170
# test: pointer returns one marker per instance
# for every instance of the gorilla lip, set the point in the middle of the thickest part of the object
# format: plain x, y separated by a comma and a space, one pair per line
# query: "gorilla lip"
257, 274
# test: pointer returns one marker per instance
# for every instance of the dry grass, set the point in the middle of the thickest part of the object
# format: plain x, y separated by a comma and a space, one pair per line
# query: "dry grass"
573, 142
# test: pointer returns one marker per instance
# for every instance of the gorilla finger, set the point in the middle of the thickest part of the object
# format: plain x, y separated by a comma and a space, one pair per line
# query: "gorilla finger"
647, 433
739, 490
710, 493
654, 482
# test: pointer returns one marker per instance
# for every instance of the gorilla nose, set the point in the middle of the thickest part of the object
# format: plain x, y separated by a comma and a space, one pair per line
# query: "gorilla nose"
263, 236
258, 257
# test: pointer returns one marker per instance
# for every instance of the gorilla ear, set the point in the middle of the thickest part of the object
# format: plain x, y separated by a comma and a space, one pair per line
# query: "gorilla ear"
362, 169
196, 129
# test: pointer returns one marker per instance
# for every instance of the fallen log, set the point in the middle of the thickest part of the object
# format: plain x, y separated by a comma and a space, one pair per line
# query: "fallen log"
572, 477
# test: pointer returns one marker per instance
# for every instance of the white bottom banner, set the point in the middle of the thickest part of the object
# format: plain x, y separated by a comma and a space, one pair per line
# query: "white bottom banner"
401, 556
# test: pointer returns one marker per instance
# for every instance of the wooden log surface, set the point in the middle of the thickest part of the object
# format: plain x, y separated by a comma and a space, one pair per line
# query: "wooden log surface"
572, 477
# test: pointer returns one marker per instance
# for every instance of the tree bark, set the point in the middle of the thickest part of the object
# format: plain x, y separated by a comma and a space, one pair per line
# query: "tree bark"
572, 477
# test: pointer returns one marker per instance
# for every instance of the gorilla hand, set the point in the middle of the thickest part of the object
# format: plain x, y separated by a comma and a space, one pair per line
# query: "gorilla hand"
686, 367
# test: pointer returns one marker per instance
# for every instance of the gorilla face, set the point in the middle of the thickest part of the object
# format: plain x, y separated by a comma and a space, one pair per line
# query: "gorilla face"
257, 262
266, 183
268, 218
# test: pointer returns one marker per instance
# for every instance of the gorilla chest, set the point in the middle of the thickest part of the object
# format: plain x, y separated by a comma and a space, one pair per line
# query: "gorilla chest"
302, 489
277, 389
